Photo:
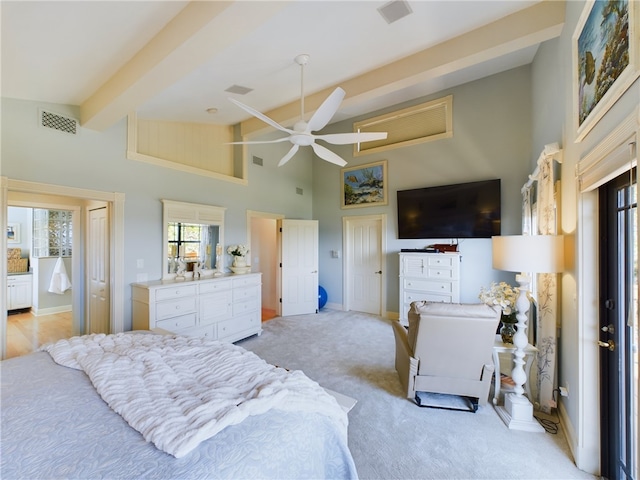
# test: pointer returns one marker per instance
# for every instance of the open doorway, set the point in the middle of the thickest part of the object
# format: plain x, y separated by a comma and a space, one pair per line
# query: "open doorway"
17, 193
262, 234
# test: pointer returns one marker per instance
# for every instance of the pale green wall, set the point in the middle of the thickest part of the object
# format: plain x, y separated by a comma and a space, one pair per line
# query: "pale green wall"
491, 125
96, 160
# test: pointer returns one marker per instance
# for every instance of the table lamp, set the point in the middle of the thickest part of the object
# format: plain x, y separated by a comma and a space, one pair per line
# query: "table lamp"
526, 254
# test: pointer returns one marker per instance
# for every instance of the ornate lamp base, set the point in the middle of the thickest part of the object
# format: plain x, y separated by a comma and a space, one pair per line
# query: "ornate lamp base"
517, 414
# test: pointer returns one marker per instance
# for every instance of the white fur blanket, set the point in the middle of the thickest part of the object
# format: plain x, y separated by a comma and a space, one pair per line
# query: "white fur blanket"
179, 391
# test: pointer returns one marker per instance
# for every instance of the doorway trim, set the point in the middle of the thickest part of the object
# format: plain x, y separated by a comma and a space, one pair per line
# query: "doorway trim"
346, 241
116, 223
605, 161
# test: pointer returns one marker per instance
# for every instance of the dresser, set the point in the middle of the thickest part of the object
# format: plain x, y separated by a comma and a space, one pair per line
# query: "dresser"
19, 291
226, 308
428, 276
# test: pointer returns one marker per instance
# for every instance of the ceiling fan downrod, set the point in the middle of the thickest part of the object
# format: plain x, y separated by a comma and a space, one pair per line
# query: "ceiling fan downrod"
302, 60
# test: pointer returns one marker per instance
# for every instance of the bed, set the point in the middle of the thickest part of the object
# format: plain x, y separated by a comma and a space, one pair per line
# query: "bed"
55, 424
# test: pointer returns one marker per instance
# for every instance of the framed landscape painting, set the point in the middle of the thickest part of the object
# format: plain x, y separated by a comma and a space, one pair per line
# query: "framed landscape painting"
606, 48
364, 185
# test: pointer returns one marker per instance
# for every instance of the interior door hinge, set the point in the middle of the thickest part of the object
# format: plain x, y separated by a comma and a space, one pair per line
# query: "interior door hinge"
280, 300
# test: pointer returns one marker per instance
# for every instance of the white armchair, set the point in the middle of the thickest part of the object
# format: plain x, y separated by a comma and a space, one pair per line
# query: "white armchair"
447, 349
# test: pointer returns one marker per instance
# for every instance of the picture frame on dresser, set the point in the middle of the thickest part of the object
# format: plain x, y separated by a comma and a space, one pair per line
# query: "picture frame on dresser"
606, 58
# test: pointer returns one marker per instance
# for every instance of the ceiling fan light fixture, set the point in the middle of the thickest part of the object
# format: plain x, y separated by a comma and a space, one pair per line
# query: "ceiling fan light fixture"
302, 134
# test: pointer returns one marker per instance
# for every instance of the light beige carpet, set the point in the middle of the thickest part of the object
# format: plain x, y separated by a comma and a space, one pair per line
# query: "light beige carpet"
390, 437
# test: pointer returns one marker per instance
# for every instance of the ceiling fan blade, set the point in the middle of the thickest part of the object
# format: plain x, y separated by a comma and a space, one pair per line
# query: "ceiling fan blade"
346, 138
261, 116
289, 154
326, 111
255, 142
327, 155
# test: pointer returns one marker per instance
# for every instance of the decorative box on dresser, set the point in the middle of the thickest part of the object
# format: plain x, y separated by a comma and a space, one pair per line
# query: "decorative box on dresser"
428, 276
226, 308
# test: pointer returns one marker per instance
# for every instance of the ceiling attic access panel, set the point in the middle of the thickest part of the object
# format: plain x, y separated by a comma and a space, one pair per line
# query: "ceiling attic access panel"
197, 148
417, 124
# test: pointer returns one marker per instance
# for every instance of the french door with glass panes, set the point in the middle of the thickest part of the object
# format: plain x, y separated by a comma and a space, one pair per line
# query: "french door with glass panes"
619, 328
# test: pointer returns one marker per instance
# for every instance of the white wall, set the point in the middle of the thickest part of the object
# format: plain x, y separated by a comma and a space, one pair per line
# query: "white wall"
491, 125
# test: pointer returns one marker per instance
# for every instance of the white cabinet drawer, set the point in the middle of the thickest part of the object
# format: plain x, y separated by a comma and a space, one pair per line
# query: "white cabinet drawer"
245, 281
178, 324
432, 296
424, 285
441, 260
215, 306
175, 307
231, 327
246, 293
175, 292
216, 286
208, 332
447, 273
250, 305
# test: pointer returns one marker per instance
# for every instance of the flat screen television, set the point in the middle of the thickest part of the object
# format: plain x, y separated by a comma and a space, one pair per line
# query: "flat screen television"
464, 210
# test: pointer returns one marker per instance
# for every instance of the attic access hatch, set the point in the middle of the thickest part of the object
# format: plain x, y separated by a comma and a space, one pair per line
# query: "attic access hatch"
420, 123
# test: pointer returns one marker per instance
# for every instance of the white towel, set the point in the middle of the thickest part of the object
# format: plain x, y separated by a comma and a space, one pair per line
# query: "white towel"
60, 282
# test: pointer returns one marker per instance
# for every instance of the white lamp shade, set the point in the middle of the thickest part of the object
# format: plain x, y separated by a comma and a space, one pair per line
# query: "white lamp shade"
528, 253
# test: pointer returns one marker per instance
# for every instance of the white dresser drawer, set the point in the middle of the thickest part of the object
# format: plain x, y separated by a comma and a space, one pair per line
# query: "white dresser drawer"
215, 306
245, 281
447, 273
207, 331
216, 286
442, 260
245, 293
175, 292
175, 307
250, 305
425, 285
229, 328
178, 324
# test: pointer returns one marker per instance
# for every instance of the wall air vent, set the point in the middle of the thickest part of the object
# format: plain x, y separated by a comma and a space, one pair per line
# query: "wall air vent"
420, 123
257, 161
58, 122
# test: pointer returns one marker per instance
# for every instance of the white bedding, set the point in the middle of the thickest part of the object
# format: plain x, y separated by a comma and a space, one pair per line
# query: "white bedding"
179, 391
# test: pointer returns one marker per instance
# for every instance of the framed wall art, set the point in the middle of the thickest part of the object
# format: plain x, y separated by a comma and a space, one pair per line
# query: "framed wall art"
13, 233
606, 46
364, 185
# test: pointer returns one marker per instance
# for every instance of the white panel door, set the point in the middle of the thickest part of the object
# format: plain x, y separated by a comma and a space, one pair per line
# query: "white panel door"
98, 271
364, 264
298, 241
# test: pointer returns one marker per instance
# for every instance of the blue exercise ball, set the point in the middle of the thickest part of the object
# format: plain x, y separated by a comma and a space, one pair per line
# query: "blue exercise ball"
322, 297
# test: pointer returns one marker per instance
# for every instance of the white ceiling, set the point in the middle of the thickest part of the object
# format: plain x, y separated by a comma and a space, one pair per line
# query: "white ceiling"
64, 52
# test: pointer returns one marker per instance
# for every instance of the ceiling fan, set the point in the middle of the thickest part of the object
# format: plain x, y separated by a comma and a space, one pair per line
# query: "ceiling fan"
302, 134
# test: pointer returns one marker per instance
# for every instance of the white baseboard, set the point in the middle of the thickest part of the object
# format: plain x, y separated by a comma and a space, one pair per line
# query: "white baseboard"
587, 461
334, 306
51, 310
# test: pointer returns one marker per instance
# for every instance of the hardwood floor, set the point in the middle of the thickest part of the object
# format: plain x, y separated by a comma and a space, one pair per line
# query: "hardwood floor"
26, 332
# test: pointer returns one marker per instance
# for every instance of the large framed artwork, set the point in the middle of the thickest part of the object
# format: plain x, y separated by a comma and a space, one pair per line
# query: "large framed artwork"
364, 185
606, 45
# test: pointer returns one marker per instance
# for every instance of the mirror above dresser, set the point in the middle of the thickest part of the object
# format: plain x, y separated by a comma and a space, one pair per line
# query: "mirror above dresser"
191, 233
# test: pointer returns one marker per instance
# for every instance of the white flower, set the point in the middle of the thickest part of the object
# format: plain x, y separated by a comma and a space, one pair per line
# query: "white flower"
501, 294
237, 250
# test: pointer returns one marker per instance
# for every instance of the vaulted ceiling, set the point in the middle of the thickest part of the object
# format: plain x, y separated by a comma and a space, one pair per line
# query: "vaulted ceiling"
174, 60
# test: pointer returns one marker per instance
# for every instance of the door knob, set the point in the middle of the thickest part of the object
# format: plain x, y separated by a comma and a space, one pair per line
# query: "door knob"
379, 272
610, 345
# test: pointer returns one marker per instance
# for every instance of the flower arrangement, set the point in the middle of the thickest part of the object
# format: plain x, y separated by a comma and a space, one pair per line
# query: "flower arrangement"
501, 294
237, 250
